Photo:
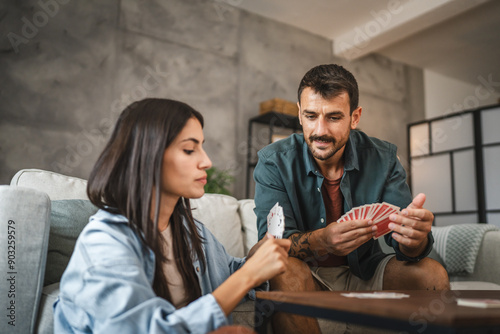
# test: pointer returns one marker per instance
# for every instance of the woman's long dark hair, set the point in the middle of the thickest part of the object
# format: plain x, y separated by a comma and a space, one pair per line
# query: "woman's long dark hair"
127, 171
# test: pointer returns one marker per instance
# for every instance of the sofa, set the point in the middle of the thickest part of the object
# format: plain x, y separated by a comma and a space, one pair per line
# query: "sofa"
50, 209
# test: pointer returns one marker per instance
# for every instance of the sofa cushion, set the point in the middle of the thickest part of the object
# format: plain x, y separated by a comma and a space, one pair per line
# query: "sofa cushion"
219, 213
249, 223
67, 220
473, 285
45, 322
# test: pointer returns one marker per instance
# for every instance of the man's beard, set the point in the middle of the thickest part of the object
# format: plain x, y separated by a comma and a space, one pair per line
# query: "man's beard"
326, 154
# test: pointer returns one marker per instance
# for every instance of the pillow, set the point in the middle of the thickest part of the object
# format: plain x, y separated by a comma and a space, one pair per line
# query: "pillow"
219, 213
249, 223
67, 220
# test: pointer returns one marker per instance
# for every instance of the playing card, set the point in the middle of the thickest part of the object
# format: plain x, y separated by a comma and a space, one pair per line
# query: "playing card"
381, 212
357, 213
345, 217
482, 303
373, 208
351, 215
376, 295
381, 218
382, 228
378, 212
276, 221
363, 211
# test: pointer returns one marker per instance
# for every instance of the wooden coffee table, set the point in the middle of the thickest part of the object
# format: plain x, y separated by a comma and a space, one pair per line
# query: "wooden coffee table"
422, 312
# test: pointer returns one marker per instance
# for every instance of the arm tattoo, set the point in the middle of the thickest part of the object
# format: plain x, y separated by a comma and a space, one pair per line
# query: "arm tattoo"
301, 247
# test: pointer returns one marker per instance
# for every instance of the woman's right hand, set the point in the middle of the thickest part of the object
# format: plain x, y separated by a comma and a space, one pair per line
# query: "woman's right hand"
269, 260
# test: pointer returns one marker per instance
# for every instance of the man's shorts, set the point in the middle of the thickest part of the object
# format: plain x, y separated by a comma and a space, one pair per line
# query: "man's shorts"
341, 279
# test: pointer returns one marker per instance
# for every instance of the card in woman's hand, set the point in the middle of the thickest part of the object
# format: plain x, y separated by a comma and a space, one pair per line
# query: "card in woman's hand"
276, 221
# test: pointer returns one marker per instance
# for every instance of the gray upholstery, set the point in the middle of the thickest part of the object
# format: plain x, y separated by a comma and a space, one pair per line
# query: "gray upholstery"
488, 261
24, 232
45, 322
67, 220
57, 186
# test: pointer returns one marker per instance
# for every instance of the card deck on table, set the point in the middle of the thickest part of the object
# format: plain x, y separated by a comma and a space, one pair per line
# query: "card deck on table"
376, 295
378, 212
276, 221
482, 303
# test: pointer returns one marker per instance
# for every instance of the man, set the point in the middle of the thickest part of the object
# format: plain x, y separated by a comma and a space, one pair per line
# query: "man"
321, 174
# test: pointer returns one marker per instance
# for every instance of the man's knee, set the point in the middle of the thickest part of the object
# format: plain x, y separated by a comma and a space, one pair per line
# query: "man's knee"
297, 277
434, 275
427, 274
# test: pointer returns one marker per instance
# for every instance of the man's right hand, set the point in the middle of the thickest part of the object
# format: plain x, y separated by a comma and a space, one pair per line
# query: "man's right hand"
342, 238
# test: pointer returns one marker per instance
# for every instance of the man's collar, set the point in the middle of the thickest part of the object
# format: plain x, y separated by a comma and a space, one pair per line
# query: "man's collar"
350, 157
350, 153
309, 160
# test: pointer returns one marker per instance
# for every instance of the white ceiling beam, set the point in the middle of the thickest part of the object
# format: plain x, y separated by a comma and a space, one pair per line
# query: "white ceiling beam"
398, 20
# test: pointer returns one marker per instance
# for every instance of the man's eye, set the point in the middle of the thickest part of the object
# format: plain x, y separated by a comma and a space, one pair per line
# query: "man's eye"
188, 152
310, 116
334, 118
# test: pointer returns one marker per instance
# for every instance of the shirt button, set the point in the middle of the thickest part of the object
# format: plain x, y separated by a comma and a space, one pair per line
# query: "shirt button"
319, 190
198, 269
322, 220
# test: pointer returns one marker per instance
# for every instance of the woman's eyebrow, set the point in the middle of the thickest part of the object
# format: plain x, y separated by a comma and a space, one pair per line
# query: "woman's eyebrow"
196, 141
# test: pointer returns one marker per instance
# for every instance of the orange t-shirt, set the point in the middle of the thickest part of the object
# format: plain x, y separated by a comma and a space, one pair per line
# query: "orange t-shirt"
332, 197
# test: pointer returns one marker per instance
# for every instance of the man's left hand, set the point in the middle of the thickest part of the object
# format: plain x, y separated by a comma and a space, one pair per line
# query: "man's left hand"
411, 227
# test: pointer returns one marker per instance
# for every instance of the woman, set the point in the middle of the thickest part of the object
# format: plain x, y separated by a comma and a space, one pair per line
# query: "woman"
142, 264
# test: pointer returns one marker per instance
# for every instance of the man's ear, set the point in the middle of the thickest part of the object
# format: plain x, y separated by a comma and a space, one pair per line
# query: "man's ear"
355, 117
300, 118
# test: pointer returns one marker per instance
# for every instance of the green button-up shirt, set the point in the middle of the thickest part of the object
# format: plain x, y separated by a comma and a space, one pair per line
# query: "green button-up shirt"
287, 173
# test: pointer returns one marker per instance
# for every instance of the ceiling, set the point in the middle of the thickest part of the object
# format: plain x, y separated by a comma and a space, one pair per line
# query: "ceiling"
456, 38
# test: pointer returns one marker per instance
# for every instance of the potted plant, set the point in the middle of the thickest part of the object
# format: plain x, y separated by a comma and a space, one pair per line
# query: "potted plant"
218, 181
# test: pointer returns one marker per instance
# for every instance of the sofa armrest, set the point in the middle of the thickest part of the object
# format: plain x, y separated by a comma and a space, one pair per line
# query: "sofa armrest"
24, 225
57, 186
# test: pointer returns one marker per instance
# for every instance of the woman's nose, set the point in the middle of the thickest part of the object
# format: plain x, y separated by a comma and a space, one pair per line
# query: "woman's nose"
206, 163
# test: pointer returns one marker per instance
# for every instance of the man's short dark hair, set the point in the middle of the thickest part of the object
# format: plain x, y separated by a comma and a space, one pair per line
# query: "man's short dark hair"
330, 81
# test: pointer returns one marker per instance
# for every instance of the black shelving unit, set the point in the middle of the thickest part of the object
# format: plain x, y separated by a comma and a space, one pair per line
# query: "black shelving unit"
274, 121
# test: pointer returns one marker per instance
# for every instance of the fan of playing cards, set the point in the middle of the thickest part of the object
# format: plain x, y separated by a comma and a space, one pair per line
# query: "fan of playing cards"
378, 212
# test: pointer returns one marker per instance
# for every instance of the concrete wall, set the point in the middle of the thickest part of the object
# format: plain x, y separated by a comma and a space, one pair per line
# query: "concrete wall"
444, 95
68, 68
391, 95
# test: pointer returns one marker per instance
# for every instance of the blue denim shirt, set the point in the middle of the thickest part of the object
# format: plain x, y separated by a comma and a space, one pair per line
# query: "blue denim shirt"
287, 173
107, 286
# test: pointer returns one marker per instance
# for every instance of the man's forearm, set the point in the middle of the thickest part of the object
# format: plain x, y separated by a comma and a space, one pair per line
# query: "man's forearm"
307, 246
